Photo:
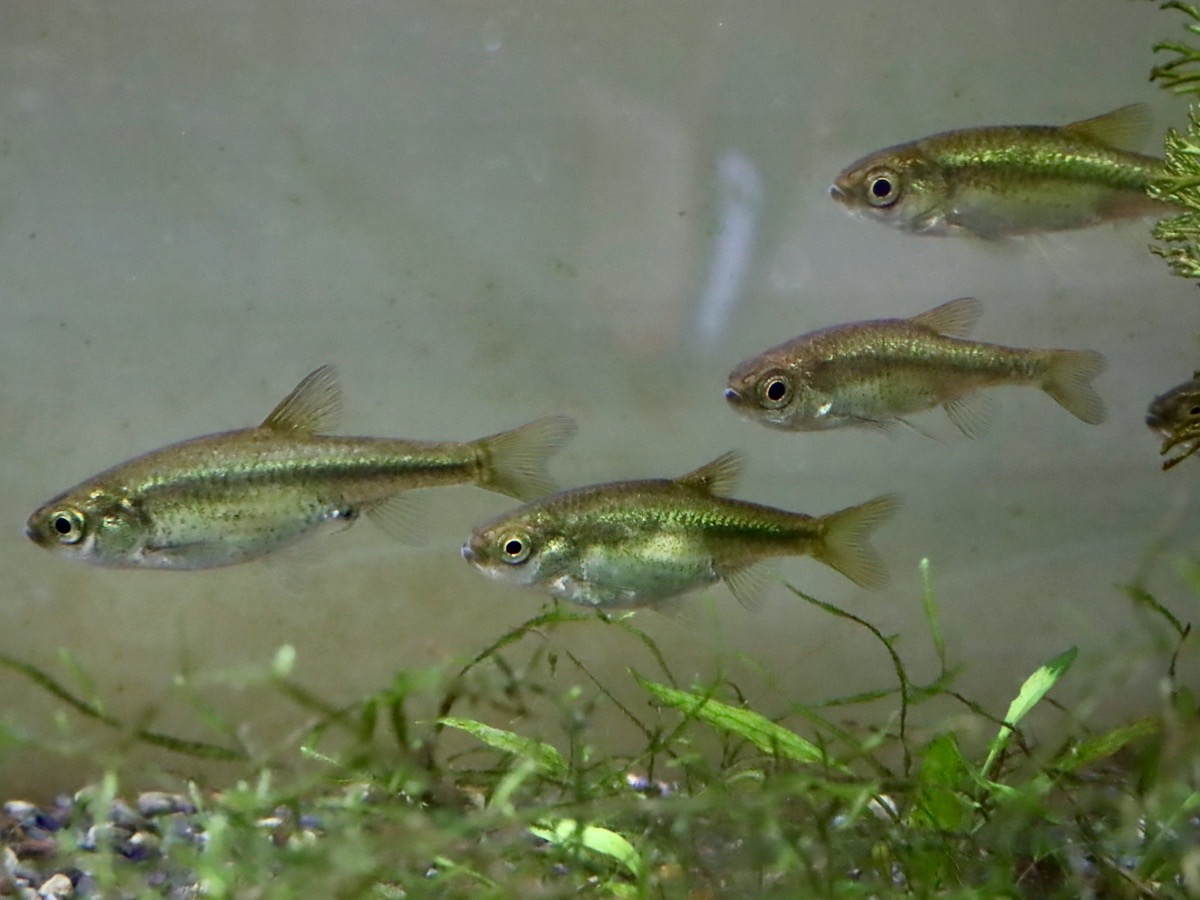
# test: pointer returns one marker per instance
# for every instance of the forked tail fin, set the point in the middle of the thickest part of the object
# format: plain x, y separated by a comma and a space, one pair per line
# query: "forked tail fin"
1069, 382
844, 544
514, 462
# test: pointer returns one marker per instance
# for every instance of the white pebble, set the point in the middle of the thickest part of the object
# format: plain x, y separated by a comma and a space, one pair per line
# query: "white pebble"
57, 886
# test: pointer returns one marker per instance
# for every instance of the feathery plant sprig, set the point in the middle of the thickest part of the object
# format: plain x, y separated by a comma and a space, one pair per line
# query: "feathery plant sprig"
1180, 75
1179, 236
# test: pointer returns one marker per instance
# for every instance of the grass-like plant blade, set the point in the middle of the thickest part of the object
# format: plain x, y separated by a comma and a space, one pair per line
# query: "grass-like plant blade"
753, 727
178, 745
567, 833
931, 613
544, 756
1031, 693
1105, 745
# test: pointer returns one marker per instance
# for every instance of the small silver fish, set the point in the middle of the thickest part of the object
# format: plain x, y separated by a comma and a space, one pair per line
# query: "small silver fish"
641, 543
234, 496
1009, 179
876, 372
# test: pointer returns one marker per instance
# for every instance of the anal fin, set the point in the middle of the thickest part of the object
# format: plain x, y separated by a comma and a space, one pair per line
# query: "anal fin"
972, 413
750, 585
400, 516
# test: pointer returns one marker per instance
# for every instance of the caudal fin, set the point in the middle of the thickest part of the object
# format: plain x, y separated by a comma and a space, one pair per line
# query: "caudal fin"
845, 546
514, 462
1069, 382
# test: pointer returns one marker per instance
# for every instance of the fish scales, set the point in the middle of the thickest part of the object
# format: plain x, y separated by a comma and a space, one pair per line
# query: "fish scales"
874, 373
224, 498
642, 543
734, 530
1038, 153
1001, 180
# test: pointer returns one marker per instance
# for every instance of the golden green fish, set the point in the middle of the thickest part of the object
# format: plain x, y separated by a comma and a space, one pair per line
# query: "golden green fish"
877, 372
639, 543
234, 496
1176, 416
1009, 179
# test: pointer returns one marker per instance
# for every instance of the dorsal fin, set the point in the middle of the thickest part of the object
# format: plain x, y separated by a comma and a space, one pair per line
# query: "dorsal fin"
312, 407
717, 477
956, 318
1125, 128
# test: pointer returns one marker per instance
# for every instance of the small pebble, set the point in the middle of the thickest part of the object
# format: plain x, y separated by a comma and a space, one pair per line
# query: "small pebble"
180, 828
57, 886
35, 848
8, 860
106, 834
123, 816
140, 846
22, 810
160, 803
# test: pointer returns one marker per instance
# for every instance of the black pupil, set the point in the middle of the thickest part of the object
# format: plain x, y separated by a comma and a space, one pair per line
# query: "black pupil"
62, 525
514, 547
776, 390
881, 187
1195, 411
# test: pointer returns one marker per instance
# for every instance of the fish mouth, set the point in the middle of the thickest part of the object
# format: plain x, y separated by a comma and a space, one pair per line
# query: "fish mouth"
842, 189
732, 396
467, 553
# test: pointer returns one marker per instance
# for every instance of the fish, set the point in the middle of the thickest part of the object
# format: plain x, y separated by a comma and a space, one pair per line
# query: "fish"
239, 495
633, 544
1176, 416
877, 372
1004, 180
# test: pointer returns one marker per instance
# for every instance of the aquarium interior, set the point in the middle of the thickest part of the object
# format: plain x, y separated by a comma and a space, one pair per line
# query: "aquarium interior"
487, 212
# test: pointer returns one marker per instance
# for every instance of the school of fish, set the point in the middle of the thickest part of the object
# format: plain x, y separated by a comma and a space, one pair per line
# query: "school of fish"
241, 495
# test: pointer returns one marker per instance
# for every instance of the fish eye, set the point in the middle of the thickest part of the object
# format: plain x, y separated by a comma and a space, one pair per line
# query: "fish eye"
515, 548
883, 188
774, 390
67, 524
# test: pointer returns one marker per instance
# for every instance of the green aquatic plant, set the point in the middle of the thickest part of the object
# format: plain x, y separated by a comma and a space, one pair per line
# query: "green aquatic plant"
490, 778
1179, 236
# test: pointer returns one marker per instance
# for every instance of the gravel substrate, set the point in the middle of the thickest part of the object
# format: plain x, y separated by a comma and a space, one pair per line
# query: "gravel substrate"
44, 851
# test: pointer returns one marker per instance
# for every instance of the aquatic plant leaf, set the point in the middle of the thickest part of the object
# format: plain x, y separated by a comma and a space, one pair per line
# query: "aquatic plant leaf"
942, 801
929, 601
567, 833
753, 727
1032, 691
546, 757
1105, 745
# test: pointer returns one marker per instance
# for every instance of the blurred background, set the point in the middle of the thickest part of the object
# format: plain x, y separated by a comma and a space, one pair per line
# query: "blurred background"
485, 212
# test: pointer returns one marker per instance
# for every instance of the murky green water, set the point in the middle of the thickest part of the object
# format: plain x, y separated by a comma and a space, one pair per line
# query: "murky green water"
485, 212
